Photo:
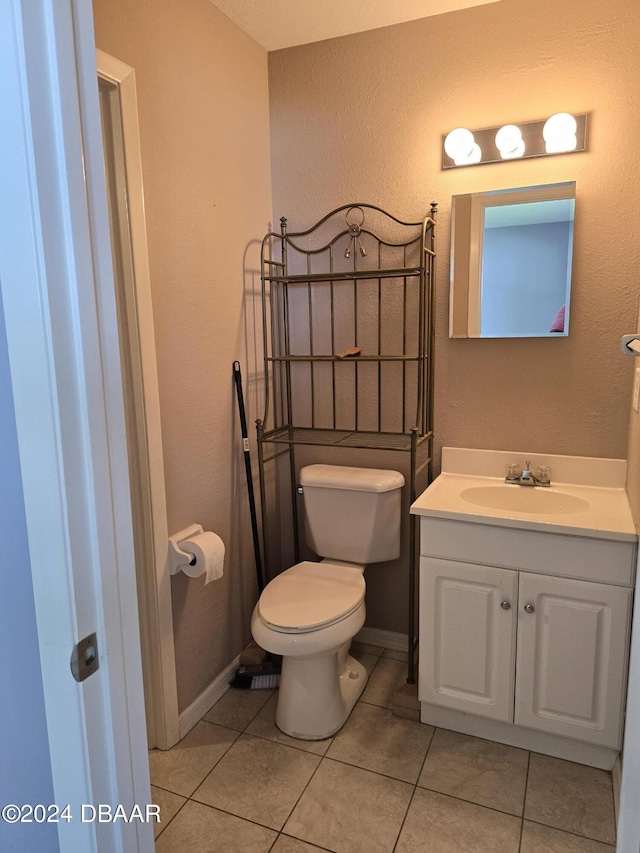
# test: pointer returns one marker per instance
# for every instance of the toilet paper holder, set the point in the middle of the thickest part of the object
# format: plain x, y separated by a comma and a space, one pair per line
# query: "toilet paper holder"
176, 557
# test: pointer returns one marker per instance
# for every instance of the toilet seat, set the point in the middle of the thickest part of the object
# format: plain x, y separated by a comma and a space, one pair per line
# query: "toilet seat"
310, 596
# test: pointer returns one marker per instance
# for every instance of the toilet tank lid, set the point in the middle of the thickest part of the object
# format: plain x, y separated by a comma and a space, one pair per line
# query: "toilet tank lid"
356, 479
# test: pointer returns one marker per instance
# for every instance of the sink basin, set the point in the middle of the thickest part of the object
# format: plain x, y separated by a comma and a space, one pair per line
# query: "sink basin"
524, 499
587, 498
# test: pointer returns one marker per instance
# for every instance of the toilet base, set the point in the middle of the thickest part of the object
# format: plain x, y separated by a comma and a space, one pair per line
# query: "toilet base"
318, 692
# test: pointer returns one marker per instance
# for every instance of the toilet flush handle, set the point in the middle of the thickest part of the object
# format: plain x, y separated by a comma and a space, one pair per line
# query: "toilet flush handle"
300, 490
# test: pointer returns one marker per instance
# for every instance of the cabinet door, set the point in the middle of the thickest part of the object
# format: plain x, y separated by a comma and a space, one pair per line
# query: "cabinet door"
467, 637
572, 656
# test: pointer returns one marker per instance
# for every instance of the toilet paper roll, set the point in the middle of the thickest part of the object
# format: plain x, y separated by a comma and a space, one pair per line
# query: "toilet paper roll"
208, 556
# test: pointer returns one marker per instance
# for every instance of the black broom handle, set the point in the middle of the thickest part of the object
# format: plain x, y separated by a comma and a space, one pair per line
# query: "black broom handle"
247, 464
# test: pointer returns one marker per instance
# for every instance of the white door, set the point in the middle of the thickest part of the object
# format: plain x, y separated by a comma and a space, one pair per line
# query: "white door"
467, 637
572, 652
62, 342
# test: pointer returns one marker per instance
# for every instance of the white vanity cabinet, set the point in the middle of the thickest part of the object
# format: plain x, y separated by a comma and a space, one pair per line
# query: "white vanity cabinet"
525, 602
533, 650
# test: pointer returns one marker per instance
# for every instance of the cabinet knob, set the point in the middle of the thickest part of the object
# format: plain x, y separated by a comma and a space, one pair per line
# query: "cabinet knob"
506, 605
529, 608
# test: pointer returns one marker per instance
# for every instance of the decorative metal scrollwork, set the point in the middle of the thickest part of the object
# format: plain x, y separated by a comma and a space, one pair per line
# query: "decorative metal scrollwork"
354, 230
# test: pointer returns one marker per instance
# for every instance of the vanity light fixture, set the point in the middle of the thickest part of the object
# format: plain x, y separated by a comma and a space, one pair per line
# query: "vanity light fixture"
559, 134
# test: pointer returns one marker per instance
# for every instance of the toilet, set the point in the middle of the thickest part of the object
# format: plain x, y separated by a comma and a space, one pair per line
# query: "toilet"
310, 613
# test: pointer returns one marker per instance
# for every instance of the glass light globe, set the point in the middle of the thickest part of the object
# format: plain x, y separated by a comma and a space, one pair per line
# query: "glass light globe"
509, 141
561, 144
474, 156
514, 153
459, 144
559, 133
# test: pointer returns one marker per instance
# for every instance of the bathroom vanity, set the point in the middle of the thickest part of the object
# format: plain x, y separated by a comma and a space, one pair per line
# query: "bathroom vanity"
525, 603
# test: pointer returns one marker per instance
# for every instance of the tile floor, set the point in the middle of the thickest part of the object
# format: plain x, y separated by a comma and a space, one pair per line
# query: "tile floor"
383, 784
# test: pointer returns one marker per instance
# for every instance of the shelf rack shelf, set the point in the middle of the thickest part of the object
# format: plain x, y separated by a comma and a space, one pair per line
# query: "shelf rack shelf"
358, 279
344, 438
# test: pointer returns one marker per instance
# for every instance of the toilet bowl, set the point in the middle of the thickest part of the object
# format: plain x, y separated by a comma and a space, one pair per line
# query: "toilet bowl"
310, 613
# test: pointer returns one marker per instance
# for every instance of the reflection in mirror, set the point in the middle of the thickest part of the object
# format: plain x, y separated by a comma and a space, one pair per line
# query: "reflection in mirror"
511, 262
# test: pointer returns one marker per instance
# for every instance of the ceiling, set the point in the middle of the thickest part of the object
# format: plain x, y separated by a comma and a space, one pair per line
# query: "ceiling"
284, 23
530, 213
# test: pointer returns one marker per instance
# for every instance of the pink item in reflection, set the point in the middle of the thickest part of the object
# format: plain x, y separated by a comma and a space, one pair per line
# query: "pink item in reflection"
558, 321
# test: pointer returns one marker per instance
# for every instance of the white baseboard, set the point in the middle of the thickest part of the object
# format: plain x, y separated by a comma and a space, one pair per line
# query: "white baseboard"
207, 699
385, 639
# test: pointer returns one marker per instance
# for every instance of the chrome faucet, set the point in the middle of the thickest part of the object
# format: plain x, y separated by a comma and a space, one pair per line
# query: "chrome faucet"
526, 478
517, 477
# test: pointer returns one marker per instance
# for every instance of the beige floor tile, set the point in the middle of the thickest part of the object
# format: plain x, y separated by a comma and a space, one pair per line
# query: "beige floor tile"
543, 839
406, 696
406, 713
374, 739
383, 681
394, 654
368, 661
286, 844
237, 707
440, 824
483, 772
570, 796
170, 804
201, 829
349, 810
183, 768
356, 645
263, 725
258, 780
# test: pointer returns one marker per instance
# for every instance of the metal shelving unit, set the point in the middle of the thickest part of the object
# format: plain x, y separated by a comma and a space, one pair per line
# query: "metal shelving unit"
357, 279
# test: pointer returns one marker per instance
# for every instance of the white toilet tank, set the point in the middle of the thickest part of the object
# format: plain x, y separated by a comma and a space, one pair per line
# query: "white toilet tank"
352, 514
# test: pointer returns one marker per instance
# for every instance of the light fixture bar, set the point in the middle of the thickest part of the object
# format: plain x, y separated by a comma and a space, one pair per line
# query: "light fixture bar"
532, 139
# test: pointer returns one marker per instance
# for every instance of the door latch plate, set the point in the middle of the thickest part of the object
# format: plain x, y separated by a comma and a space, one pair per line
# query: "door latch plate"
84, 659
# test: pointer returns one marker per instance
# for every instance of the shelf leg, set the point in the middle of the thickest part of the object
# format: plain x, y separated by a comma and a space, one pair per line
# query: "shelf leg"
411, 676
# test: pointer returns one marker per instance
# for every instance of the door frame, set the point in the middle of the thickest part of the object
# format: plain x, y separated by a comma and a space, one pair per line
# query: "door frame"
154, 581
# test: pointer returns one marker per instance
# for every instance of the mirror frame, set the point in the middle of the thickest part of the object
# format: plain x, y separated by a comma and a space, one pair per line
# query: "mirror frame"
467, 241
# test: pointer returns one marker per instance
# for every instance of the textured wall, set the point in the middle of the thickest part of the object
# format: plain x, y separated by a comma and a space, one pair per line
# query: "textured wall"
203, 108
361, 119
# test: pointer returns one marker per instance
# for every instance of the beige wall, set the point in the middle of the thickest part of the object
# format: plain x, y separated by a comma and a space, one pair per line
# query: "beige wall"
361, 119
203, 107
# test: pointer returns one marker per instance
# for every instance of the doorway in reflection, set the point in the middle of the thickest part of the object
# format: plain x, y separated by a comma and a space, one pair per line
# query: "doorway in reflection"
526, 269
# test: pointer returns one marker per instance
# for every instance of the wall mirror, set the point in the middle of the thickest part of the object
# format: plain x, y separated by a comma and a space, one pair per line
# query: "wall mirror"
511, 262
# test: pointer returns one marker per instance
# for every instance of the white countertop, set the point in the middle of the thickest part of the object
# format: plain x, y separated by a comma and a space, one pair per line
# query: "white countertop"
605, 514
